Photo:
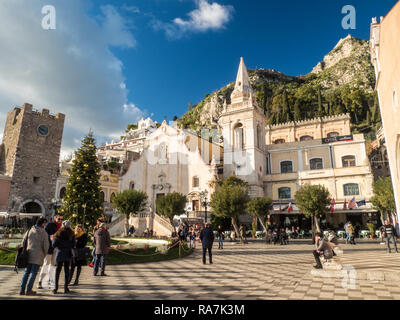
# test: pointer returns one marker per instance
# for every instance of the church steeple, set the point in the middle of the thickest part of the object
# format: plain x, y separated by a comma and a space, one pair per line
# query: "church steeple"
243, 90
242, 78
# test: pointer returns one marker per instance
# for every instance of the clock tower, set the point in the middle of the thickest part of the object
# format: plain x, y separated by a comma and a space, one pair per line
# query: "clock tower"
243, 127
29, 155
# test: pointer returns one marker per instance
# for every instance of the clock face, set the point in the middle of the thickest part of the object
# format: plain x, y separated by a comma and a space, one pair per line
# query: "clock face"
43, 130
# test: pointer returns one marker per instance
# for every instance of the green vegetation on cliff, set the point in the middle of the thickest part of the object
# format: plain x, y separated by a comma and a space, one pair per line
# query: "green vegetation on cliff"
343, 83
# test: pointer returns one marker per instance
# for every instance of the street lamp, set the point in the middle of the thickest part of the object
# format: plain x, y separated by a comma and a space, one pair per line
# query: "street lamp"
204, 201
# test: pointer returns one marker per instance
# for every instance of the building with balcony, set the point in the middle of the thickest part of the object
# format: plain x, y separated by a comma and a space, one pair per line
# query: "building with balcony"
319, 151
133, 141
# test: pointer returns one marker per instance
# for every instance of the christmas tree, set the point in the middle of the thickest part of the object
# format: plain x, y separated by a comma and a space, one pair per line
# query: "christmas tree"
82, 203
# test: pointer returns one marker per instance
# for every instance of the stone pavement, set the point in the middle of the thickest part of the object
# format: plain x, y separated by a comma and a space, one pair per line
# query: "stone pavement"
240, 272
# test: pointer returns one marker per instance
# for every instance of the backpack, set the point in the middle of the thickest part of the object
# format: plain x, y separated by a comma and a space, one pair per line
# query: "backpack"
21, 259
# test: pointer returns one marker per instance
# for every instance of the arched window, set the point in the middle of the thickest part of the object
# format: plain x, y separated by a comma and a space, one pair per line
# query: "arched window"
238, 137
284, 193
316, 164
102, 196
348, 161
279, 141
351, 189
306, 138
196, 182
333, 134
62, 192
286, 166
112, 197
131, 185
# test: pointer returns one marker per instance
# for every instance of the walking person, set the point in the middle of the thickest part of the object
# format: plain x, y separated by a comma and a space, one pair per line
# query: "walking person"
49, 262
207, 240
185, 231
347, 231
78, 261
96, 227
102, 243
351, 230
220, 237
37, 246
64, 241
192, 237
382, 234
390, 235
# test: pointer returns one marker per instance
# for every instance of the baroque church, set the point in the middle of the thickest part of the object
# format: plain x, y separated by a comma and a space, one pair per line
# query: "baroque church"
275, 161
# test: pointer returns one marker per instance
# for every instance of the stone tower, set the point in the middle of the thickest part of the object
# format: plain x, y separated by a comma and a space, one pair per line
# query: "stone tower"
29, 155
243, 127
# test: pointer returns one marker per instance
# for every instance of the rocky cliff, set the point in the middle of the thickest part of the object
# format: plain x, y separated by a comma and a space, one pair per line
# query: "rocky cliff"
342, 82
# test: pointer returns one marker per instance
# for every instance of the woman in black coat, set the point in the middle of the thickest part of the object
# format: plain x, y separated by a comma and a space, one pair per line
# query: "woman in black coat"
81, 240
64, 241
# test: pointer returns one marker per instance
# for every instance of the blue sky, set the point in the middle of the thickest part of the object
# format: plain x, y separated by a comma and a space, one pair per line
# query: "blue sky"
110, 62
289, 36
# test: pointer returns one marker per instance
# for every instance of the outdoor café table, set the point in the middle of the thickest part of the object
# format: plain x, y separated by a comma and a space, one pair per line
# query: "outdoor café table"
341, 233
259, 234
364, 233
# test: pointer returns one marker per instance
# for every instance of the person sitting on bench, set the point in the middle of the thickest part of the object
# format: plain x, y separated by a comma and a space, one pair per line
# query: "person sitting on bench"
322, 248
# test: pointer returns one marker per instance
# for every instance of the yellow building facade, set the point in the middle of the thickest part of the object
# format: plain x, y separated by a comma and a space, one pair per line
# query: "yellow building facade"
319, 151
385, 56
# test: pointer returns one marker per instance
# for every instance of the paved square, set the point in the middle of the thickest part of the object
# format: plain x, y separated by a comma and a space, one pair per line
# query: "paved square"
252, 271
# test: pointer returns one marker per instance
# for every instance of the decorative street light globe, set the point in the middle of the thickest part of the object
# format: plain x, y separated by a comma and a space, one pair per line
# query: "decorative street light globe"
204, 201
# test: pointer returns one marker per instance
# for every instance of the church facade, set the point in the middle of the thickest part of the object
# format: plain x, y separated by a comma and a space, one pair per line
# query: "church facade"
275, 161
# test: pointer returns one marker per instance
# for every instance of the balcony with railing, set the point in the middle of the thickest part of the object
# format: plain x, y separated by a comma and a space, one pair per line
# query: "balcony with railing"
336, 172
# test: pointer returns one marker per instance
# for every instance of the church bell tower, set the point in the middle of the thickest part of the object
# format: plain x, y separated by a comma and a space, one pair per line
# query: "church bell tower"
243, 129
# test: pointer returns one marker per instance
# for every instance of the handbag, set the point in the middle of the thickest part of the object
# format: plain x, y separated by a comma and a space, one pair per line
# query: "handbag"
83, 253
21, 259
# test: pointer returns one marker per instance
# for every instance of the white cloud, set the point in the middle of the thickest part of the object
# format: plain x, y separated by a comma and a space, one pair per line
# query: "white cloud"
131, 9
70, 70
207, 16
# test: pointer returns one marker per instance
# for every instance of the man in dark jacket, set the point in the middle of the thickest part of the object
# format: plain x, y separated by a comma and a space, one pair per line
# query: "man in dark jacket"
102, 242
322, 248
49, 262
207, 240
390, 235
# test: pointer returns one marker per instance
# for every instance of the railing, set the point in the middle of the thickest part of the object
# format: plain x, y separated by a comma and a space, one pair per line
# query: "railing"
164, 222
116, 221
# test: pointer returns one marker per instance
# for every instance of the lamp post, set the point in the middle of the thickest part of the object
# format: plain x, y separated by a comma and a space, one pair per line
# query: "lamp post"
204, 201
